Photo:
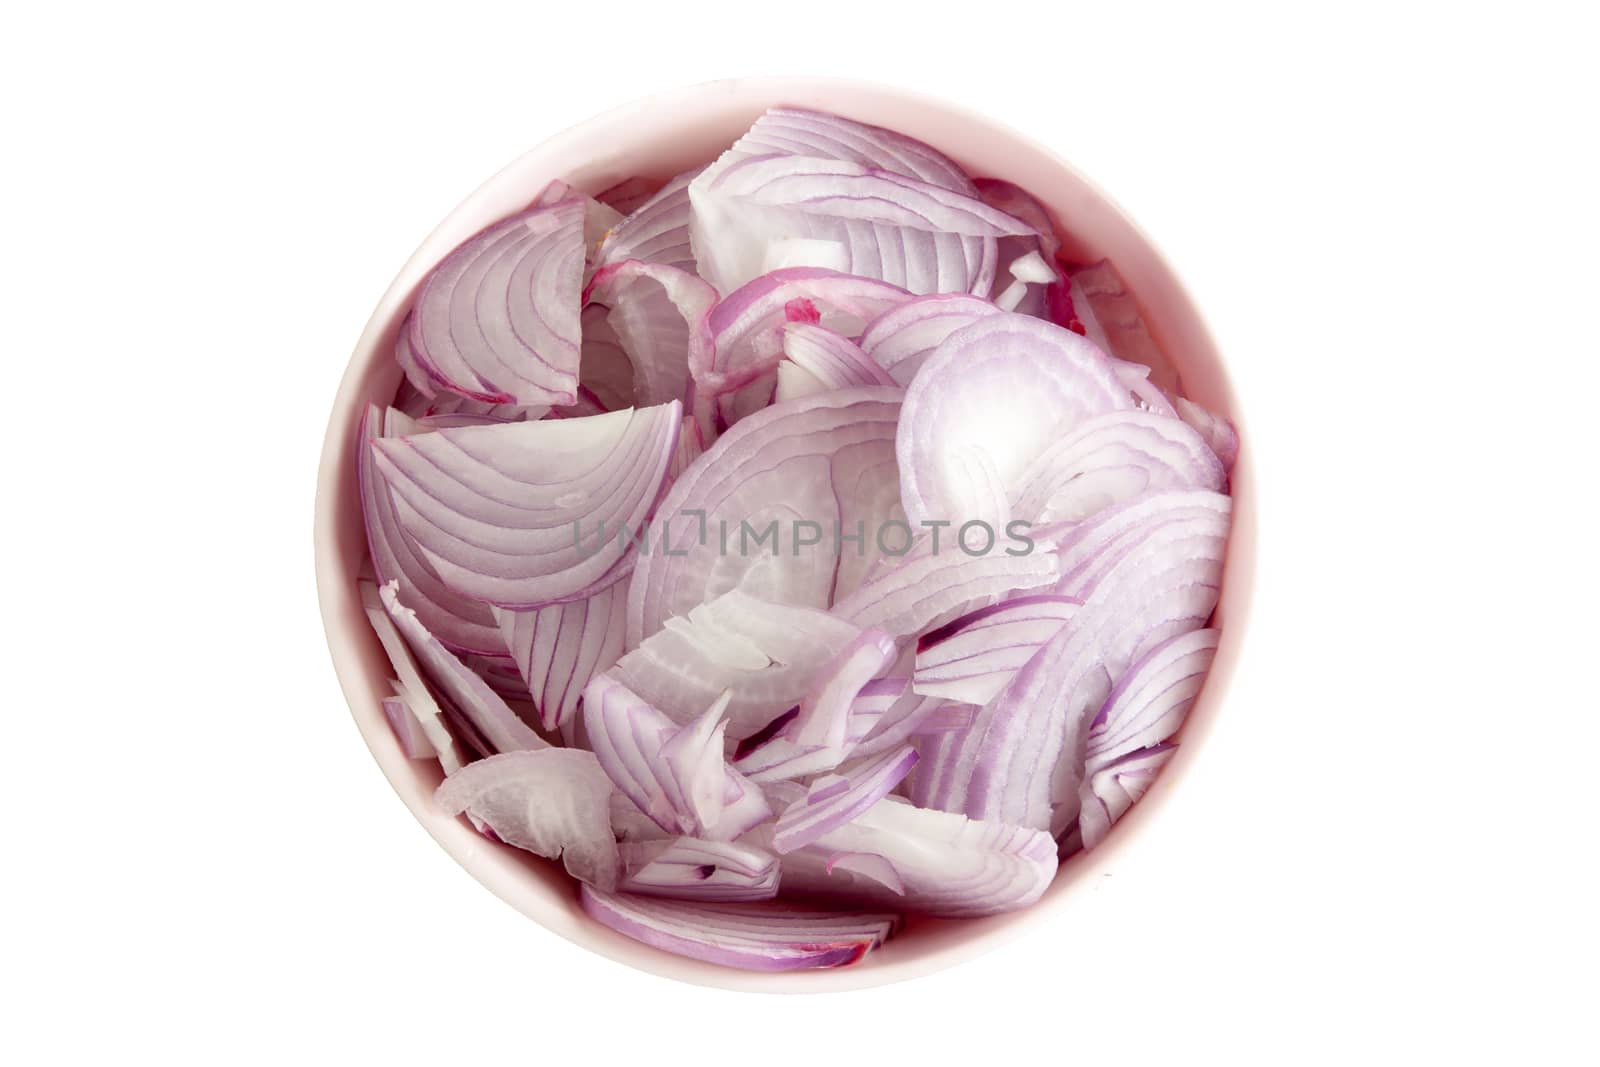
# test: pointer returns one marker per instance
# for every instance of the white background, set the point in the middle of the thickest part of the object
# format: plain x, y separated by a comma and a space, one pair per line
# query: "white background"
1389, 218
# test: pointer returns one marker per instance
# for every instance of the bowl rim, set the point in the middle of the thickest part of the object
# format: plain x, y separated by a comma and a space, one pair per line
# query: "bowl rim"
511, 877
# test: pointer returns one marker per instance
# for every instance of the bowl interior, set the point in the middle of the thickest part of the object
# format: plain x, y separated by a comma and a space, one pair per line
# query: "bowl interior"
658, 137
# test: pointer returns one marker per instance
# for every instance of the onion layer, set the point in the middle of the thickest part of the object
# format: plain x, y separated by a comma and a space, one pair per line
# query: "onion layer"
479, 503
497, 320
748, 936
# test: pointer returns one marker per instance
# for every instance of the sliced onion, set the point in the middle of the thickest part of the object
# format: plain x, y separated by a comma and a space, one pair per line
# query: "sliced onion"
746, 328
829, 360
480, 505
824, 460
1028, 260
407, 728
1112, 458
1000, 391
1111, 319
1022, 760
929, 589
868, 865
497, 320
798, 132
875, 700
1175, 517
1114, 788
902, 338
675, 775
758, 936
948, 717
1217, 431
1146, 394
836, 799
657, 230
688, 868
445, 409
818, 737
1149, 703
900, 720
764, 653
657, 313
971, 660
691, 446
419, 700
488, 713
500, 672
552, 802
560, 647
462, 623
628, 195
843, 192
766, 213
881, 576
945, 864
806, 189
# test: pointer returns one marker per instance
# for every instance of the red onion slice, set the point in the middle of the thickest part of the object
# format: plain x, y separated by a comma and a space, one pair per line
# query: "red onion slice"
414, 689
675, 775
628, 195
1112, 320
836, 799
902, 338
972, 659
497, 320
746, 327
831, 361
948, 717
868, 865
657, 230
480, 504
560, 647
464, 624
1114, 788
798, 132
552, 802
1022, 760
408, 731
758, 936
1150, 702
758, 511
763, 213
945, 864
818, 737
688, 868
1112, 458
657, 314
1218, 432
764, 653
753, 213
1028, 261
490, 716
928, 589
1089, 548
1002, 389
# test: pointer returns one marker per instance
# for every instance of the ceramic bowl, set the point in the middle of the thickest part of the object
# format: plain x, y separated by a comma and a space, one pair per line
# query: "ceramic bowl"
657, 137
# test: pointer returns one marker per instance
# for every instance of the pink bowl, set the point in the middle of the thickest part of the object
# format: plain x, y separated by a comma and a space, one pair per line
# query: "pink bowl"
658, 137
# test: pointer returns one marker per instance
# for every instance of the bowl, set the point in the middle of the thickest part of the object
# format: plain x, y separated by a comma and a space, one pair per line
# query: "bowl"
657, 137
